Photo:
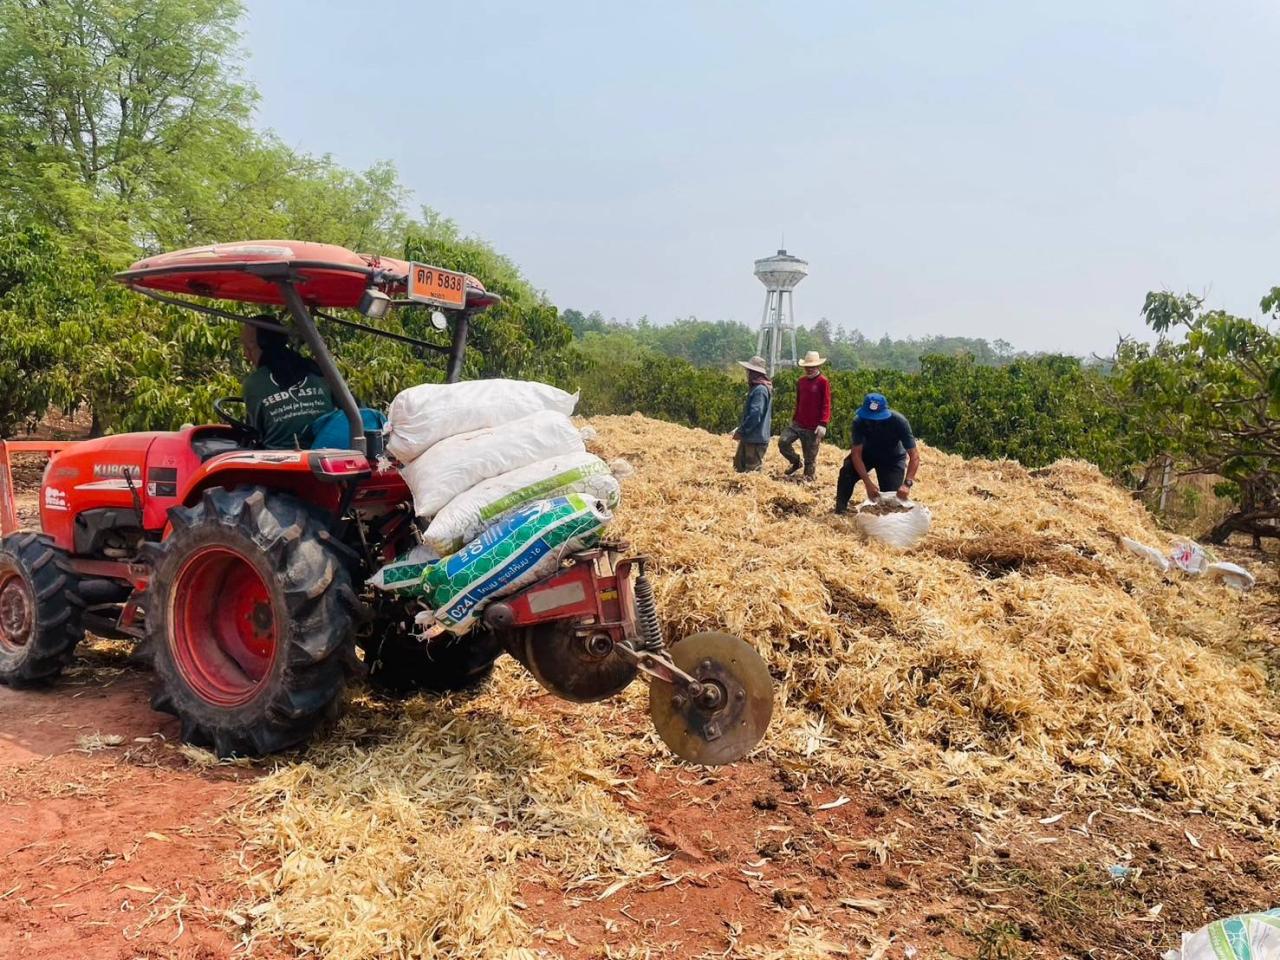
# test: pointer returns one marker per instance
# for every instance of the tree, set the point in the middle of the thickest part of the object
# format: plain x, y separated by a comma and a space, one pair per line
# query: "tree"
524, 336
72, 337
124, 127
1211, 401
113, 111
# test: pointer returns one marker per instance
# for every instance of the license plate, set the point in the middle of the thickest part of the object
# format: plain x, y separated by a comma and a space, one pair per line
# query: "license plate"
442, 288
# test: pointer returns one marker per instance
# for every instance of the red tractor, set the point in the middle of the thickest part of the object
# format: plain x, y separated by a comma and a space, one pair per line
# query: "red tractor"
242, 570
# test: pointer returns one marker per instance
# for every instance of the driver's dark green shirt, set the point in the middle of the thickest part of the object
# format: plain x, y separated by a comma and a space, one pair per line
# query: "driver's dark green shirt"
283, 418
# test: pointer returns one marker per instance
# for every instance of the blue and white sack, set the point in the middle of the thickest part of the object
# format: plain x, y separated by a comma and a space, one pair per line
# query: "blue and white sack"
526, 546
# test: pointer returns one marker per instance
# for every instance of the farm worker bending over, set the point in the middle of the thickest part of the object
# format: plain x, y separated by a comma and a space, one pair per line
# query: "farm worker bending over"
813, 413
882, 441
757, 418
285, 392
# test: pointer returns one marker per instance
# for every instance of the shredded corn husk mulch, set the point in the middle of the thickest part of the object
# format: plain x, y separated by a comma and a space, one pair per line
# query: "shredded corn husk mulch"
1017, 651
1018, 645
402, 834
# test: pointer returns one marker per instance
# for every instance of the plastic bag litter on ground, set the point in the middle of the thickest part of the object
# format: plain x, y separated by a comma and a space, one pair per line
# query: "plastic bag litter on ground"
1247, 936
422, 416
904, 525
466, 515
456, 464
1156, 558
523, 548
1189, 557
1233, 575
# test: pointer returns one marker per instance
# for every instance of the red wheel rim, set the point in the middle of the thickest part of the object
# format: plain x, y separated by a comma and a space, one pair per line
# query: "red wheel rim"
16, 609
223, 626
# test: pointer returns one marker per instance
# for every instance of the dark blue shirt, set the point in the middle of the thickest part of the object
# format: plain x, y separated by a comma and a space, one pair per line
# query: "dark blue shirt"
884, 442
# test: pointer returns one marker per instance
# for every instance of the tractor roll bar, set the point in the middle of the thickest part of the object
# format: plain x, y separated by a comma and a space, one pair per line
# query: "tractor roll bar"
268, 325
209, 311
324, 359
454, 373
385, 334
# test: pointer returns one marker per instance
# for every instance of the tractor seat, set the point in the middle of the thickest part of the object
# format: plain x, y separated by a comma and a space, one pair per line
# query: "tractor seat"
210, 445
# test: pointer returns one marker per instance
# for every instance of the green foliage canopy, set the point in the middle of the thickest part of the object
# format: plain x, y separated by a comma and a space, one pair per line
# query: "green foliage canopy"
719, 343
1210, 399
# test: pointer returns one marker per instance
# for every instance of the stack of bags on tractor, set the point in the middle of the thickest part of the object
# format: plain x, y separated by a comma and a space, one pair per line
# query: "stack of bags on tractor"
503, 482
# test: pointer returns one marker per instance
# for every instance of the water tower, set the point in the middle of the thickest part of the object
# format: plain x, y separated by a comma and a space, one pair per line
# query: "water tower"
779, 274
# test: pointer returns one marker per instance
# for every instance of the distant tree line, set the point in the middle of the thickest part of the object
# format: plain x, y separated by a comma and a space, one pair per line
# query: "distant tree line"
1034, 410
717, 343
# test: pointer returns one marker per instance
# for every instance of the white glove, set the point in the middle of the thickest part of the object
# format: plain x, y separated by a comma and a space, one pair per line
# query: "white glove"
820, 432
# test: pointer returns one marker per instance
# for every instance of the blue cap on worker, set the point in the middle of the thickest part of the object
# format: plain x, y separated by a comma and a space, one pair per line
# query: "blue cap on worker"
874, 407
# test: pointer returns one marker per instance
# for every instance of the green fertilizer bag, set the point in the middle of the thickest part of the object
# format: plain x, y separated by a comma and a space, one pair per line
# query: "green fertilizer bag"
524, 547
490, 501
404, 573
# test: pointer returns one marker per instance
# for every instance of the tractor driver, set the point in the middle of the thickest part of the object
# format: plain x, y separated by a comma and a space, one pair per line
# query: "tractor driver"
285, 392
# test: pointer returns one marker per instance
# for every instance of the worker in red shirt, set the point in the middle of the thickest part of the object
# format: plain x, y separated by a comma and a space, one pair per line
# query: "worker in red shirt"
813, 413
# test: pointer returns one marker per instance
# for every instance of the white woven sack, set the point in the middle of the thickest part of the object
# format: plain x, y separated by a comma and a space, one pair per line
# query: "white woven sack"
488, 502
458, 463
902, 529
422, 416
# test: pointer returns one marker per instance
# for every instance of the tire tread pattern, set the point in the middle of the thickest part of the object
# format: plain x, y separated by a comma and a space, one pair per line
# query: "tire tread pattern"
307, 690
58, 624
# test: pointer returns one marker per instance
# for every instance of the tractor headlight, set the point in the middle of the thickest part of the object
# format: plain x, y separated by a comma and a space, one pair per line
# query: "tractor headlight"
374, 304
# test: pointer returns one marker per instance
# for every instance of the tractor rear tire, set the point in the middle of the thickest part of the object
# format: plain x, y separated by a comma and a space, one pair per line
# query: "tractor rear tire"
250, 622
402, 666
40, 614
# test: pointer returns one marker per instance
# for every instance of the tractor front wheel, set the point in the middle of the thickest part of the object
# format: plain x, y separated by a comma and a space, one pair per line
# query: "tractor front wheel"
40, 622
251, 622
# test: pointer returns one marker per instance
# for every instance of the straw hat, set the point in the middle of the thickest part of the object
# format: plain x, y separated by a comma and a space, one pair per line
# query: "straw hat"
756, 364
811, 359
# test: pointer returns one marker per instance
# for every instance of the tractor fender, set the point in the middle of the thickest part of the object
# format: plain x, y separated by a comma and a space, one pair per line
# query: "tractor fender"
295, 472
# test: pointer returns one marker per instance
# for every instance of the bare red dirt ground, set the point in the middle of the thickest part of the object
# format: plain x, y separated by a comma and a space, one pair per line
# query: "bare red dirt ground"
757, 857
114, 847
109, 850
118, 851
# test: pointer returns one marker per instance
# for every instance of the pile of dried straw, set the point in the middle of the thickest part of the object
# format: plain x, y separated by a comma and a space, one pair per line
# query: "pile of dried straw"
1018, 650
1018, 645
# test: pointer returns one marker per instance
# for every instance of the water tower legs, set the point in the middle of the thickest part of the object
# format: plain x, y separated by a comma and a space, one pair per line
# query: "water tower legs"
776, 323
791, 325
764, 324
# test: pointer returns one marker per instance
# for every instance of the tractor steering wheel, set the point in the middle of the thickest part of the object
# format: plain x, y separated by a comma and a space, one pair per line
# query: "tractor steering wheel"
247, 432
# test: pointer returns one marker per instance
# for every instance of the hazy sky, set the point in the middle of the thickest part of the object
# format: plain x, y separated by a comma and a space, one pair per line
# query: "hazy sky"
1021, 170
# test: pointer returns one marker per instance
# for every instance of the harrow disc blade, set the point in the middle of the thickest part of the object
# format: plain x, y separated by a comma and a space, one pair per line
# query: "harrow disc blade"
729, 732
564, 665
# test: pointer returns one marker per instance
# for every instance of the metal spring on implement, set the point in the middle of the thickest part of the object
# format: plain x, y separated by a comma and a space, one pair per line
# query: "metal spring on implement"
647, 615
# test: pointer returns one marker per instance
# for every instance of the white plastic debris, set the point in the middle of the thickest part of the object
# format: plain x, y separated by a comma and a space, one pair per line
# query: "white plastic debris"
1233, 575
621, 469
1156, 558
1189, 557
